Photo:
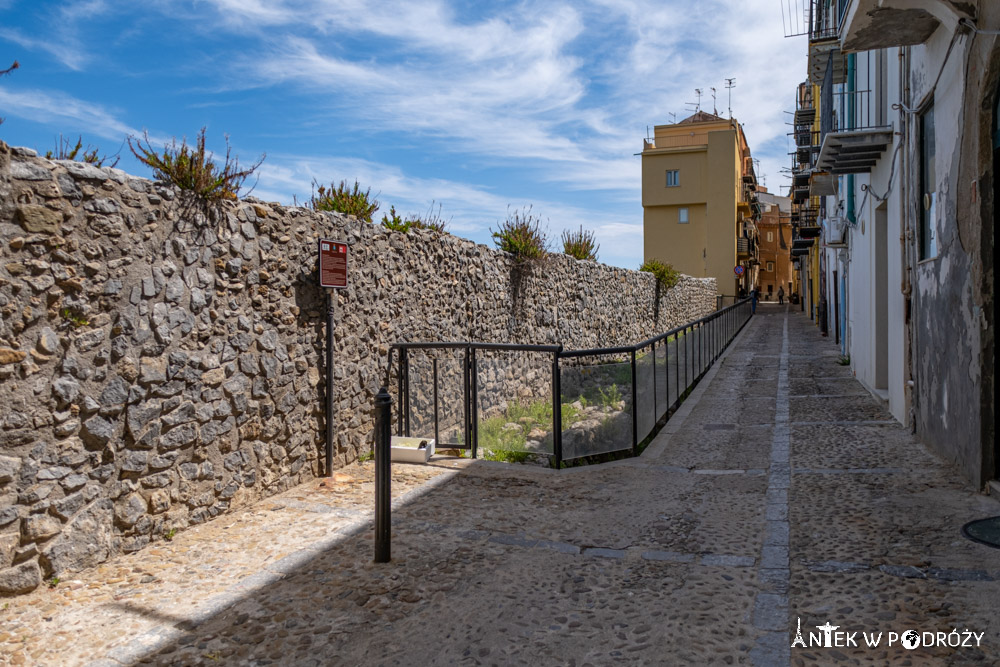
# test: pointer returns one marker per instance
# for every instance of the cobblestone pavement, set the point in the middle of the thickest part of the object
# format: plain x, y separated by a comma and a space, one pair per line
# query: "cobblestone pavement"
780, 492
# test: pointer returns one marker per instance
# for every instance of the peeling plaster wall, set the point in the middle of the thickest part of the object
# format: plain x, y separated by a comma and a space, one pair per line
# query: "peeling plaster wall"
161, 364
946, 325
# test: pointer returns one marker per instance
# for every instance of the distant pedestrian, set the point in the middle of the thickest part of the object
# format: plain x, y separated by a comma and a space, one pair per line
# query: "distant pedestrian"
781, 295
754, 296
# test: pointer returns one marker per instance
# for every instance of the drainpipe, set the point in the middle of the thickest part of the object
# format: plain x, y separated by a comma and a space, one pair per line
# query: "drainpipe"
851, 85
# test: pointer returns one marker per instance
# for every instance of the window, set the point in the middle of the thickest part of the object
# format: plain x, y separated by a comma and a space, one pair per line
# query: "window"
770, 239
682, 215
770, 265
673, 178
928, 186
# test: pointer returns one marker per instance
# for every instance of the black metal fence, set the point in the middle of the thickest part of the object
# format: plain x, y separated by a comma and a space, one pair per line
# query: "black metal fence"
512, 401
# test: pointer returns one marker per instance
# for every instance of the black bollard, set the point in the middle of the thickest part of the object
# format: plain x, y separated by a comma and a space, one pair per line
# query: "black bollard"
383, 477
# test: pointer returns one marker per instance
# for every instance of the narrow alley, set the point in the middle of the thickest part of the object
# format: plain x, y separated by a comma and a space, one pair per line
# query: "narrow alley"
780, 498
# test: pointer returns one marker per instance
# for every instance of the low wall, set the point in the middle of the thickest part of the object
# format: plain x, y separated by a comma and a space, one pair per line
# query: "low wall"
161, 363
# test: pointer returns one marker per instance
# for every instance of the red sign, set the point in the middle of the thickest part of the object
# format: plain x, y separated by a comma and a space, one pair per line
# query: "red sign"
332, 264
738, 270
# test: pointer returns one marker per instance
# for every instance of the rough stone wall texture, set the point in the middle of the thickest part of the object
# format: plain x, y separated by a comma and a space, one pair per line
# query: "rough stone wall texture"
161, 363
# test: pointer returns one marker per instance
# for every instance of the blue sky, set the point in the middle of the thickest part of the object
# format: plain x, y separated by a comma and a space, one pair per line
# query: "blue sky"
477, 106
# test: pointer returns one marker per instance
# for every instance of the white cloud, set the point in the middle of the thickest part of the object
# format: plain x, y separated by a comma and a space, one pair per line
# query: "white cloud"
57, 108
68, 53
472, 210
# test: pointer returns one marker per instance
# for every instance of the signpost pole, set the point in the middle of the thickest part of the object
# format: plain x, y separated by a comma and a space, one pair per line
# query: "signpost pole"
332, 260
331, 305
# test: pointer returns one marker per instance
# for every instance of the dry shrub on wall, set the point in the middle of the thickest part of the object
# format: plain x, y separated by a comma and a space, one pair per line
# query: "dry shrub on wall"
88, 154
521, 235
581, 244
193, 169
342, 198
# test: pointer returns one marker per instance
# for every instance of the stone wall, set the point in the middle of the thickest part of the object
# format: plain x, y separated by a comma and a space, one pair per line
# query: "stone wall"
161, 363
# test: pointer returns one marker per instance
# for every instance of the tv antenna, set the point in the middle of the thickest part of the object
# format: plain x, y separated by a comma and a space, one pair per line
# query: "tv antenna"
673, 117
730, 84
697, 105
715, 110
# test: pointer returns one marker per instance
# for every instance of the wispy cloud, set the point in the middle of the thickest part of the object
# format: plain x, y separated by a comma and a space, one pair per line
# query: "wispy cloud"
472, 210
56, 107
68, 54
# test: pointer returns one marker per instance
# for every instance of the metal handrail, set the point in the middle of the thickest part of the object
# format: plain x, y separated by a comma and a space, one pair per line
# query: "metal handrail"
718, 338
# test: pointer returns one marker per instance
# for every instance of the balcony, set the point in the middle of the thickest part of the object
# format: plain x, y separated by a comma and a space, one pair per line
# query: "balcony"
746, 249
857, 132
822, 183
879, 24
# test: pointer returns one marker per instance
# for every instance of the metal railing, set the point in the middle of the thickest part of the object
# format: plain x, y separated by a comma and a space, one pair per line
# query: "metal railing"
546, 401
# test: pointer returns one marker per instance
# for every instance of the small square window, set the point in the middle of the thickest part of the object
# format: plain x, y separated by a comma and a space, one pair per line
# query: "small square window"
770, 265
682, 216
673, 178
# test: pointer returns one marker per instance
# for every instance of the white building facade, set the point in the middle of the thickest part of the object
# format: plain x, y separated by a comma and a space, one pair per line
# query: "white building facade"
902, 170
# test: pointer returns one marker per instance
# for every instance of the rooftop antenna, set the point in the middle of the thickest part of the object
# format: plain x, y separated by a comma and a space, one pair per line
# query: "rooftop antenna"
697, 105
673, 117
715, 110
730, 84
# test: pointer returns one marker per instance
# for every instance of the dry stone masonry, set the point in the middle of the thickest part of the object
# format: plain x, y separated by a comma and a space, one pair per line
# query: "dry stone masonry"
162, 363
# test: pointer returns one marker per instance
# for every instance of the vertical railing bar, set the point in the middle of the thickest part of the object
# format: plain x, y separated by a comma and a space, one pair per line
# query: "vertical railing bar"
475, 404
687, 358
466, 404
635, 411
556, 411
399, 393
437, 434
656, 414
677, 368
406, 394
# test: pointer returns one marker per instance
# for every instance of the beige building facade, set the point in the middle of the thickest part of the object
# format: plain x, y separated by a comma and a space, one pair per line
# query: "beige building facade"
775, 246
699, 201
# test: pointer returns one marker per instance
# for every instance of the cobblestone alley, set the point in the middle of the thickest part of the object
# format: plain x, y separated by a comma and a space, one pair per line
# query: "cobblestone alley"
780, 492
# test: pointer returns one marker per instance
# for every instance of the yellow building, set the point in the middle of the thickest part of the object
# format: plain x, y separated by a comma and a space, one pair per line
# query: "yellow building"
699, 201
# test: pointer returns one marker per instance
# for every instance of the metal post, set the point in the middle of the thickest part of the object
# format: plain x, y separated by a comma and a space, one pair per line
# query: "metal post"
556, 410
406, 395
399, 392
687, 357
437, 435
330, 323
635, 411
383, 477
677, 367
467, 411
656, 415
474, 383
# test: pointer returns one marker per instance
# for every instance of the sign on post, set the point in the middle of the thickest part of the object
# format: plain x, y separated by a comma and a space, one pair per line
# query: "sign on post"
738, 270
332, 264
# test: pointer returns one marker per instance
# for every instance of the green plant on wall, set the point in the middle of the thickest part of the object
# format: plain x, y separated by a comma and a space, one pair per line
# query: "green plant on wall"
394, 222
664, 272
73, 318
521, 235
430, 220
580, 244
89, 154
193, 168
345, 199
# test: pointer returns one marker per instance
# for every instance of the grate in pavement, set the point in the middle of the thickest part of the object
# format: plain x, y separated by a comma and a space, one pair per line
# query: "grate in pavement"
984, 531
